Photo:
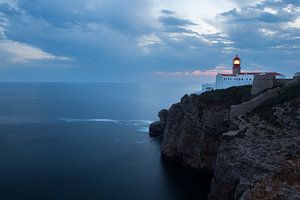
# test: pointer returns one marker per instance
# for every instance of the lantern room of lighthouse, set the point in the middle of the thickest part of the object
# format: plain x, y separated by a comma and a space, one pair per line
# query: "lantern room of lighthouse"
236, 68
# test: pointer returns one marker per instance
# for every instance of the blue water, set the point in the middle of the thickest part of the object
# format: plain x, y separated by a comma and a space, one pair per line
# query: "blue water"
88, 141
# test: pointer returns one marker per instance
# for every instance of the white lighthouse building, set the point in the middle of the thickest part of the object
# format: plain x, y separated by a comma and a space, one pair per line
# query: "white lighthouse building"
236, 78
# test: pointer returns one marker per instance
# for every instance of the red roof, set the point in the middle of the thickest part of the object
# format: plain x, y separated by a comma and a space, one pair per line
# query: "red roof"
274, 73
228, 74
250, 73
254, 73
237, 58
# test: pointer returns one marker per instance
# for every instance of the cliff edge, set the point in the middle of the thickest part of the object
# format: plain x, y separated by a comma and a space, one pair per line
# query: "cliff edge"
256, 156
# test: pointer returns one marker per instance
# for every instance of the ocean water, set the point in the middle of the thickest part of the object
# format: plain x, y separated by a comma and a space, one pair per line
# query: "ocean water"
69, 141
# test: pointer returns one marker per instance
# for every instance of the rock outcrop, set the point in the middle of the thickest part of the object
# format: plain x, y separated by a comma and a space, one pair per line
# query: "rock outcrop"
157, 128
255, 157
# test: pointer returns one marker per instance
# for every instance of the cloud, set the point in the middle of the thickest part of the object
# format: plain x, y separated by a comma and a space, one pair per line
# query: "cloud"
211, 72
167, 12
114, 40
175, 21
88, 31
266, 32
147, 42
293, 24
16, 52
128, 16
102, 32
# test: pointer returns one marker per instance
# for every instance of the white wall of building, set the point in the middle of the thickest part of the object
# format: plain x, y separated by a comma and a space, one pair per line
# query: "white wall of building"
237, 78
226, 81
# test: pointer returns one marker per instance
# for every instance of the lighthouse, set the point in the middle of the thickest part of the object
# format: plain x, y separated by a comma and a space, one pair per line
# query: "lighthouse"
237, 77
236, 68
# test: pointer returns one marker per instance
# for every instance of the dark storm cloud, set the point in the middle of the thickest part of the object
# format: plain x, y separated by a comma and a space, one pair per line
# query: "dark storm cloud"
167, 12
101, 34
79, 30
175, 21
271, 18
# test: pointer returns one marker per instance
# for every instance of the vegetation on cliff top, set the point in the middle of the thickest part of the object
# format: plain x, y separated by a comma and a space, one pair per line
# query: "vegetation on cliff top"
225, 97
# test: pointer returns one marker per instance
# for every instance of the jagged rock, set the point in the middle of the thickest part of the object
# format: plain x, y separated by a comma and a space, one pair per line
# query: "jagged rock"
156, 129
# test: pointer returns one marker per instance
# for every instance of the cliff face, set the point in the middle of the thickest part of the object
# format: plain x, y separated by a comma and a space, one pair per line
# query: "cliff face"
259, 161
194, 126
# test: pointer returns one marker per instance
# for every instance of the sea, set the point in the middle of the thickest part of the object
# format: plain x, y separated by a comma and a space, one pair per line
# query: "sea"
89, 141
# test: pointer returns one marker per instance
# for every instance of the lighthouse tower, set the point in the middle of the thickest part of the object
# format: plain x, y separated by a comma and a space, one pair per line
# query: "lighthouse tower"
236, 68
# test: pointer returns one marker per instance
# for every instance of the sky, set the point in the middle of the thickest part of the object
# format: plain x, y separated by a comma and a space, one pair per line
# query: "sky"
145, 40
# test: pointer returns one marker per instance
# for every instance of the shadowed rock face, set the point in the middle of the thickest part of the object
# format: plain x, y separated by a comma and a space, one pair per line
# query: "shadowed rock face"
193, 136
190, 135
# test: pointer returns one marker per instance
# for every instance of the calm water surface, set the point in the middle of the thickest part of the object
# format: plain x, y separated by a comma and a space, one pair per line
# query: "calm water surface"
88, 141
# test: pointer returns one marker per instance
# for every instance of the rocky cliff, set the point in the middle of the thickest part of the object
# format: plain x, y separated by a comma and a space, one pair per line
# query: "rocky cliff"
255, 157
